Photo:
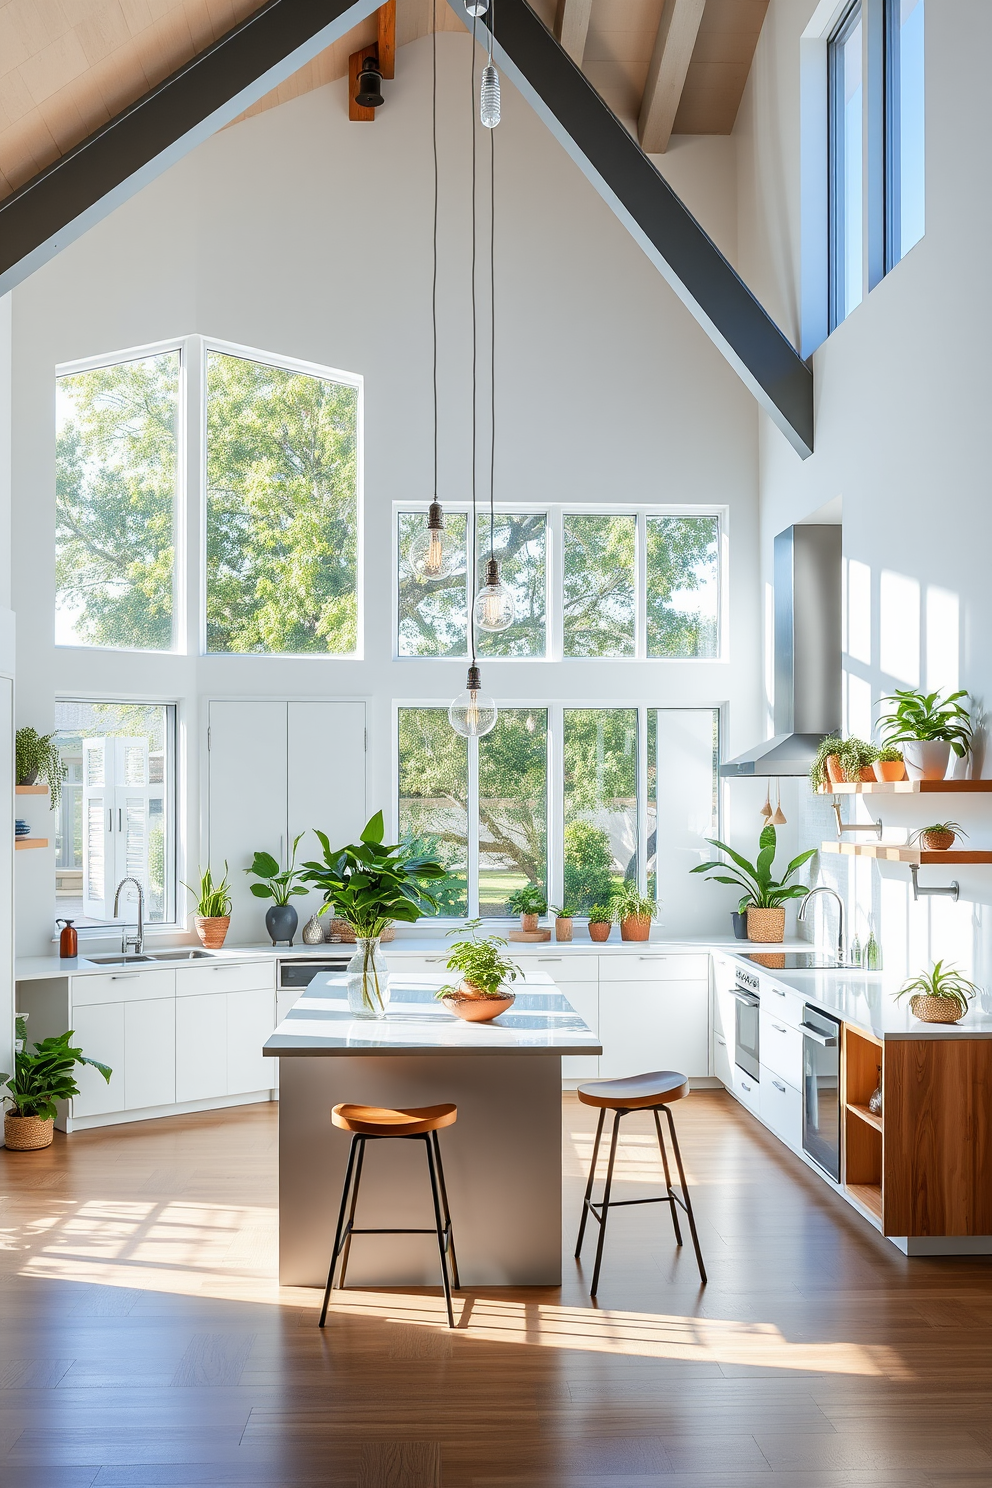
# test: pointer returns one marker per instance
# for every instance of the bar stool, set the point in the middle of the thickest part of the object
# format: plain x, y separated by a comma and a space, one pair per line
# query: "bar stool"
655, 1093
378, 1123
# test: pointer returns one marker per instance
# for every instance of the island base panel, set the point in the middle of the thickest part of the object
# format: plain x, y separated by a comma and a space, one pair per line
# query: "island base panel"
502, 1164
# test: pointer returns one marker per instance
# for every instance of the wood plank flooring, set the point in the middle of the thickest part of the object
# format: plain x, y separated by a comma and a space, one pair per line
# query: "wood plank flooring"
144, 1342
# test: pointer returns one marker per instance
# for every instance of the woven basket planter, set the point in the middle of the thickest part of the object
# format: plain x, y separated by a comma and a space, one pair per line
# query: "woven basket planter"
935, 1009
342, 931
28, 1133
212, 930
766, 925
937, 841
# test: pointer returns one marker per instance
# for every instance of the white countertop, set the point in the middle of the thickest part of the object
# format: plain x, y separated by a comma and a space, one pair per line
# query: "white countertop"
541, 1021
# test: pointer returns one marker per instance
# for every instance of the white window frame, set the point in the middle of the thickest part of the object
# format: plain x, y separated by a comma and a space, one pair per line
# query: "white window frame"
555, 785
554, 568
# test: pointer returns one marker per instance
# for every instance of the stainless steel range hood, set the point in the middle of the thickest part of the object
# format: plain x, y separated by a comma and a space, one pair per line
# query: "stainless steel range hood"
807, 652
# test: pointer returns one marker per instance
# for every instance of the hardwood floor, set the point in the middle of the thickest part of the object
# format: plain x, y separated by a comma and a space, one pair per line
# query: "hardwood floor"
145, 1342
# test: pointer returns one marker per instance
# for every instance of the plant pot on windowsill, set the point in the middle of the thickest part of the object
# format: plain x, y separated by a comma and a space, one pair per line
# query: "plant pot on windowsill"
766, 925
528, 923
600, 929
563, 929
28, 1133
212, 930
635, 927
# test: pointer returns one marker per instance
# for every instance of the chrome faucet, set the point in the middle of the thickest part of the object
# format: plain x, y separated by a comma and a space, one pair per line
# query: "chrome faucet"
138, 940
826, 889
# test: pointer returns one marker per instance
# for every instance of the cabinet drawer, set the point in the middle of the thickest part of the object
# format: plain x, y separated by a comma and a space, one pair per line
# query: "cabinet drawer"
746, 1088
780, 1107
122, 986
781, 1048
560, 969
198, 981
783, 1002
417, 965
648, 966
721, 1058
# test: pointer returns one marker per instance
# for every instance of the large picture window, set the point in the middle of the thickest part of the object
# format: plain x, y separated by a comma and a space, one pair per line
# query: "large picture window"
845, 106
117, 815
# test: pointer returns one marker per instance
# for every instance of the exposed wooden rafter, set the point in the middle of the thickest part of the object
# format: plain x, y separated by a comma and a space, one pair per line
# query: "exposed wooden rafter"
673, 47
572, 27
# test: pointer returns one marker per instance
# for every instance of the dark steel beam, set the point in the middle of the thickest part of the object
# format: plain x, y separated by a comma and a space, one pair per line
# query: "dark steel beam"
690, 261
62, 202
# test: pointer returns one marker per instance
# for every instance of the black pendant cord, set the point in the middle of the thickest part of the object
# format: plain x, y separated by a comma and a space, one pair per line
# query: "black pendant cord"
492, 327
475, 348
434, 279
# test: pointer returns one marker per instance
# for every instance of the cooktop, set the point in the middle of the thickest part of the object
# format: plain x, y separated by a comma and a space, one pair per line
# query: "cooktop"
792, 960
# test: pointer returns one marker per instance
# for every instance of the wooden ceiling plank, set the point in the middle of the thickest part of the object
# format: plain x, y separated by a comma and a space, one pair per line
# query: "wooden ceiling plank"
673, 48
386, 25
572, 27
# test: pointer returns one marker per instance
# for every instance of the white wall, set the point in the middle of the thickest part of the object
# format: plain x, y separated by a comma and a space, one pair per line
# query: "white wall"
902, 420
301, 234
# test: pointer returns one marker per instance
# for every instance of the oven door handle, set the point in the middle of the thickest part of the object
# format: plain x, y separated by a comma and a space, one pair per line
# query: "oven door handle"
746, 997
827, 1040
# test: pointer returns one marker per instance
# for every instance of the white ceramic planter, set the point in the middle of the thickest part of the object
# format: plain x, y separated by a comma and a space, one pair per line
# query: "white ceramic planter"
926, 759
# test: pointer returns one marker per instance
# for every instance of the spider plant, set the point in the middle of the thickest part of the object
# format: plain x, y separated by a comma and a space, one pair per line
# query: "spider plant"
944, 982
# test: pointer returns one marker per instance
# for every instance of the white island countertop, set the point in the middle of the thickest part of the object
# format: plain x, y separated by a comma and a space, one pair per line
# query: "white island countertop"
541, 1021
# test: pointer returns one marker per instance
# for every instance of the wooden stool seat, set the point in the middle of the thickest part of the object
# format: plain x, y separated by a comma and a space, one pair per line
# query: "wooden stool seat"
636, 1091
380, 1121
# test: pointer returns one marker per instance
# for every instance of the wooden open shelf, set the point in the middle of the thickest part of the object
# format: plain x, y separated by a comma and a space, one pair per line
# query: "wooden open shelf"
862, 1128
868, 1194
898, 853
865, 1115
30, 790
20, 842
910, 788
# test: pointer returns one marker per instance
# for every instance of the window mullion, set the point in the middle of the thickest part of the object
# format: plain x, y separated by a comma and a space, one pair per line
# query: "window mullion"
556, 806
195, 503
640, 585
555, 569
874, 142
642, 800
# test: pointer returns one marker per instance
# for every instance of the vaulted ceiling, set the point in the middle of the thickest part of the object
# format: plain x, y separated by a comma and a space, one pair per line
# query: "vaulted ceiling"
69, 66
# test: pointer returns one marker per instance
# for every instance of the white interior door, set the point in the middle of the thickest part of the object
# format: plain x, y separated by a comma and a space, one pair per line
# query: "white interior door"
247, 800
327, 782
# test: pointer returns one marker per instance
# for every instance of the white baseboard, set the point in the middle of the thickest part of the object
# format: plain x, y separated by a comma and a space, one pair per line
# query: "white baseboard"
156, 1113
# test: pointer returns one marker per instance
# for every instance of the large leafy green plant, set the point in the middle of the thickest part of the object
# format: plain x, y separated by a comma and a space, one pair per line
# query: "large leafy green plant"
369, 883
531, 899
44, 1076
927, 715
761, 889
480, 962
276, 884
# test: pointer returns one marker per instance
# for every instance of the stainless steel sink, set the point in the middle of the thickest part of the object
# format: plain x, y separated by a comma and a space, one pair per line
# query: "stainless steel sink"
184, 955
117, 960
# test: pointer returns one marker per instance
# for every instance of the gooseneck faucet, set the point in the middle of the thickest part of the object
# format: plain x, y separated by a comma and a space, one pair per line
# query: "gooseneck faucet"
826, 889
136, 941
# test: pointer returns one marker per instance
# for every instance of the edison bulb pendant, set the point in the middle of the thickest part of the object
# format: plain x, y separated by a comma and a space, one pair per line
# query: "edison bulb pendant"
432, 554
489, 97
476, 7
494, 609
472, 712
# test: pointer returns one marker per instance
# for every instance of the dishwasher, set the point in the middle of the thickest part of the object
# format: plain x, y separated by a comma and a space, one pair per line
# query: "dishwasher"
821, 1090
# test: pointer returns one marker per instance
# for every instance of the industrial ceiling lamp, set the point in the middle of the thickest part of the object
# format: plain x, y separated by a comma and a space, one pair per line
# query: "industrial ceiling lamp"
369, 93
489, 92
473, 713
476, 8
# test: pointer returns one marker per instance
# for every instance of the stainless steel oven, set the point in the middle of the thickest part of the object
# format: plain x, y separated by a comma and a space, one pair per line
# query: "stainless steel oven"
821, 1090
299, 971
746, 990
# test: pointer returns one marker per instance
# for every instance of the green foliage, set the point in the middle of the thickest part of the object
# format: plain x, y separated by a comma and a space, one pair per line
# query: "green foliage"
564, 911
761, 890
927, 715
598, 594
818, 769
681, 556
601, 914
37, 755
628, 904
213, 900
944, 982
531, 899
480, 962
590, 876
369, 884
44, 1077
278, 884
947, 826
449, 892
890, 756
855, 755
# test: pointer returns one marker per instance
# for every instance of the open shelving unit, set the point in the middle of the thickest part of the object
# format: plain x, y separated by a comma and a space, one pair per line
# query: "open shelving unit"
910, 788
30, 790
22, 842
862, 1128
899, 853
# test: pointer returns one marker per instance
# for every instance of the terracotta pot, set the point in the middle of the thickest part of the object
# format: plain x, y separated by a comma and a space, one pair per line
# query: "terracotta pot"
28, 1133
563, 928
599, 929
938, 841
474, 1008
889, 770
212, 930
935, 1009
926, 759
834, 772
767, 925
866, 774
635, 928
529, 923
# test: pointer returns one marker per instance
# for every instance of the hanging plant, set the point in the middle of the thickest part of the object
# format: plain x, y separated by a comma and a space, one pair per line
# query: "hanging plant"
38, 755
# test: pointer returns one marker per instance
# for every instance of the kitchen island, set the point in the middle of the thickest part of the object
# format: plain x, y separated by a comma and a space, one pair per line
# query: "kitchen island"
502, 1158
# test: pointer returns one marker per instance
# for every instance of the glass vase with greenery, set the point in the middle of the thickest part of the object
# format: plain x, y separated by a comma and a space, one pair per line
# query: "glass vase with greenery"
42, 1077
482, 964
37, 755
761, 889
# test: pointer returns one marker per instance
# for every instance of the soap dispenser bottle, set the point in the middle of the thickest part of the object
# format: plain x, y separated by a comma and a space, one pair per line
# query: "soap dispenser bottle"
68, 940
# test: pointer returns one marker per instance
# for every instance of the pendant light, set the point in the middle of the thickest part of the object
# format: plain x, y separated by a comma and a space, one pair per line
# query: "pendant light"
779, 818
473, 713
494, 608
489, 92
433, 554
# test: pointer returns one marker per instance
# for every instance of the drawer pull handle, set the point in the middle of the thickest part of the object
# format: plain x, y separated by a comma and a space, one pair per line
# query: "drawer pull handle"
745, 1086
125, 976
721, 1041
652, 958
777, 992
778, 1028
549, 958
778, 1086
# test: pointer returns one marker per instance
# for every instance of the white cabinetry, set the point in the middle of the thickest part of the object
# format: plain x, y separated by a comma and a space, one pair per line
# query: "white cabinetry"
201, 1046
224, 1014
99, 1032
149, 1053
654, 1014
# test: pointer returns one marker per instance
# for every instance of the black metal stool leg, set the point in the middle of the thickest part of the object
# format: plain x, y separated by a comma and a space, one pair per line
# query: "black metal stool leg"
668, 1179
447, 1213
605, 1206
686, 1198
592, 1175
440, 1231
337, 1233
351, 1215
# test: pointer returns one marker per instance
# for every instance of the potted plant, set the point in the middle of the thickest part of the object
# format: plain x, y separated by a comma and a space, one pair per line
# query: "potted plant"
928, 727
530, 904
940, 995
481, 995
825, 769
213, 908
41, 1079
889, 765
939, 837
281, 918
739, 918
600, 922
37, 754
765, 896
564, 915
369, 884
857, 758
633, 912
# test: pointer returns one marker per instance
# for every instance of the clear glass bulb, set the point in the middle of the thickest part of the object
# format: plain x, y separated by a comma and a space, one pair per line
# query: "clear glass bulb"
476, 7
489, 97
473, 713
432, 554
494, 609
